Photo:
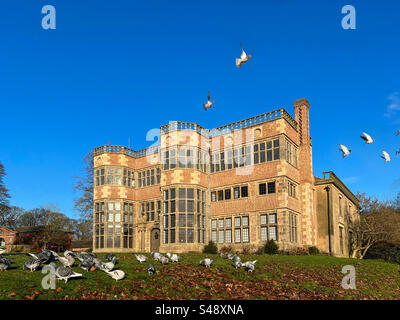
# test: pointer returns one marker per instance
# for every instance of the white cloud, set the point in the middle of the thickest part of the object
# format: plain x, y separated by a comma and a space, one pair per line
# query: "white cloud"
394, 105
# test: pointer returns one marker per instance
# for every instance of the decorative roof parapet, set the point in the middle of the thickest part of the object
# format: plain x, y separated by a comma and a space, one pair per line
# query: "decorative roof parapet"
207, 133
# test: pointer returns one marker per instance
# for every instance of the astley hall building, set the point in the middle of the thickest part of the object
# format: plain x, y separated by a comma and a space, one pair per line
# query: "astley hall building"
238, 185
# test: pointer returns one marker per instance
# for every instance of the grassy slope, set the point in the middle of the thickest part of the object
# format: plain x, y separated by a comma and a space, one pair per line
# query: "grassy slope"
275, 277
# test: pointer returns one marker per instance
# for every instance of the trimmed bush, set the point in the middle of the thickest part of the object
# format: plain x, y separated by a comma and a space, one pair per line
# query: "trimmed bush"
271, 247
211, 248
313, 250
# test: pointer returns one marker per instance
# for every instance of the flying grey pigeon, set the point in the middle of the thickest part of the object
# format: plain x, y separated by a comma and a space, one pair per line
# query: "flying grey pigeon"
367, 138
209, 104
116, 274
344, 150
32, 264
141, 258
385, 156
63, 273
151, 269
207, 262
243, 58
4, 263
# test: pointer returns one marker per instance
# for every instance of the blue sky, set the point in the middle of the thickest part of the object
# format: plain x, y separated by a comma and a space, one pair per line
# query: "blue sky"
112, 70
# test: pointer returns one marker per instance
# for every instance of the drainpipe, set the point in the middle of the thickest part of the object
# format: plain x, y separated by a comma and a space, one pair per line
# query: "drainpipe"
327, 189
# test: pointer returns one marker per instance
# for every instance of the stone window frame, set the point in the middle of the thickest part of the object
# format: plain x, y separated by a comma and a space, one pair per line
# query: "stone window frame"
292, 188
101, 229
267, 225
102, 176
293, 227
232, 228
150, 209
148, 177
215, 193
193, 217
194, 158
245, 154
266, 182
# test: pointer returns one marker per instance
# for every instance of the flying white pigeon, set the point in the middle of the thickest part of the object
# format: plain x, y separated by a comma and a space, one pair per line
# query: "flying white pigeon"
367, 138
116, 274
344, 150
209, 104
243, 58
385, 156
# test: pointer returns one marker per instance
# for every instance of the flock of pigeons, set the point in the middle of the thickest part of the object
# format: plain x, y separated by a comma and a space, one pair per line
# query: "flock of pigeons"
368, 140
239, 61
207, 262
89, 261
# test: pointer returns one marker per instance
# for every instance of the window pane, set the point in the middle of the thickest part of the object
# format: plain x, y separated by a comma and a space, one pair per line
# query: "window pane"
228, 236
264, 235
245, 221
245, 234
272, 218
237, 235
182, 220
237, 221
272, 233
263, 219
221, 236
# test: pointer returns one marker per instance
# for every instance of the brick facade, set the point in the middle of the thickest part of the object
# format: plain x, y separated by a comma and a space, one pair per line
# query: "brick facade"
239, 185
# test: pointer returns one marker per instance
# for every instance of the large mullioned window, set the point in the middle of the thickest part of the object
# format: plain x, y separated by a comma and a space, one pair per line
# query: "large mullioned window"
183, 215
184, 158
113, 223
230, 230
269, 227
149, 177
114, 176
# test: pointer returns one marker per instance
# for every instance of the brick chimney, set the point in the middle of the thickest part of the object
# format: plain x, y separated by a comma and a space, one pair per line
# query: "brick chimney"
306, 187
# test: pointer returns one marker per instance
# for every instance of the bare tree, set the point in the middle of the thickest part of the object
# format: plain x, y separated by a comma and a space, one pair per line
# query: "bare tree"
379, 222
84, 185
4, 196
10, 218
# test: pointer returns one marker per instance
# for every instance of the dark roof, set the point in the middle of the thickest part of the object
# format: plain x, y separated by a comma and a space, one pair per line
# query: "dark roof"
34, 229
82, 244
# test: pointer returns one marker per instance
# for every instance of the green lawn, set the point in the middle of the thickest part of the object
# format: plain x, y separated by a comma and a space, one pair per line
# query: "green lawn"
275, 277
